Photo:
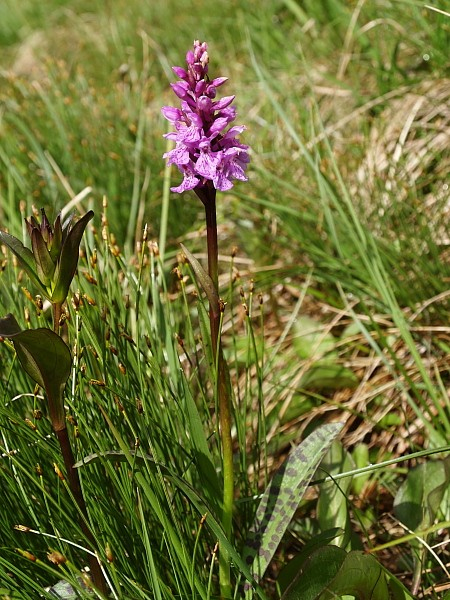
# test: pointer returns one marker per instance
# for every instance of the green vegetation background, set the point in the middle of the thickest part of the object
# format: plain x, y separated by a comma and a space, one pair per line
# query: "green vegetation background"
343, 227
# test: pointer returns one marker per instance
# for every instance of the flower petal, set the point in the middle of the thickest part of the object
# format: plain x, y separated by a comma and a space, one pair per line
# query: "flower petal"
206, 165
189, 135
218, 126
178, 156
218, 81
221, 182
181, 88
189, 182
180, 72
171, 113
223, 102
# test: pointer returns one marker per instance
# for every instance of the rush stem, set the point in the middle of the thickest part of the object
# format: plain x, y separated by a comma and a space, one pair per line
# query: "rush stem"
208, 196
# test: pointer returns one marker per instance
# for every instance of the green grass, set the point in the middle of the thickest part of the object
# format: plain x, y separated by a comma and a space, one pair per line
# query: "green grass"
337, 294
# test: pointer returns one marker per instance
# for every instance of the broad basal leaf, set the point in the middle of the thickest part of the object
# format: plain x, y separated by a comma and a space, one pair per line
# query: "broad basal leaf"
419, 497
290, 571
332, 506
318, 572
46, 359
331, 573
282, 496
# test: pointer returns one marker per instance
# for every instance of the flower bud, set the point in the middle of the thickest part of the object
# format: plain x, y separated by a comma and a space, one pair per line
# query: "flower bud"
52, 261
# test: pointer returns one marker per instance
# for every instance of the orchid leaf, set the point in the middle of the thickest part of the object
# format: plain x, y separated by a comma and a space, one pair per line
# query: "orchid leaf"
200, 450
68, 261
332, 506
419, 497
332, 573
316, 574
63, 590
46, 359
202, 276
327, 375
206, 338
310, 341
282, 496
9, 326
24, 256
360, 575
289, 572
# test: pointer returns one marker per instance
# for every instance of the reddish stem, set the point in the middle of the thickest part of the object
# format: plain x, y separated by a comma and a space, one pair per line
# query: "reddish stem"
207, 195
62, 434
96, 573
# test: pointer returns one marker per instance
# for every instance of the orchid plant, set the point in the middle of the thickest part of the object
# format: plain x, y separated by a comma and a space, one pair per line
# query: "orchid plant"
51, 264
209, 155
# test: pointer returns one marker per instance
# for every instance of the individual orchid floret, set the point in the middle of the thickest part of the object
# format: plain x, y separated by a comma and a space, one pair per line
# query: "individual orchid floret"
204, 151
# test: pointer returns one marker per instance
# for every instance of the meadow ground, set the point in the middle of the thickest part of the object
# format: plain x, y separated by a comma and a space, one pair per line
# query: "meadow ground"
334, 266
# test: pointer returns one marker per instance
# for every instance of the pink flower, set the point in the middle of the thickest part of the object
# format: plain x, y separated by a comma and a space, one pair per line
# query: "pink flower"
204, 151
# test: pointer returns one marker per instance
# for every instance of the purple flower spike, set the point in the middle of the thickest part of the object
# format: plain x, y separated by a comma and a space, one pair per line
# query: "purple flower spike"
204, 150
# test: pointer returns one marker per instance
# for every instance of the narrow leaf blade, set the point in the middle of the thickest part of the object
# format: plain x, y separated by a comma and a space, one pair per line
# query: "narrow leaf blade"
204, 279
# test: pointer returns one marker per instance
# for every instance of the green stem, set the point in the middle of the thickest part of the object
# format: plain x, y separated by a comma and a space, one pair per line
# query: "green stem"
62, 434
416, 535
228, 474
208, 196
